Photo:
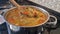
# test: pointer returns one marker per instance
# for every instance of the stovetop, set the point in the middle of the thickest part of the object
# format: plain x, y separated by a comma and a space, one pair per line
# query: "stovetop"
52, 12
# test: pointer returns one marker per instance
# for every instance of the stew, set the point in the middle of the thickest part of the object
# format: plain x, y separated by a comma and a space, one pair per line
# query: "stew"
28, 16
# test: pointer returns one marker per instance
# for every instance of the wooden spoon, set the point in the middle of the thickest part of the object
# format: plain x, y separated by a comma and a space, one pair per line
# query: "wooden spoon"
15, 3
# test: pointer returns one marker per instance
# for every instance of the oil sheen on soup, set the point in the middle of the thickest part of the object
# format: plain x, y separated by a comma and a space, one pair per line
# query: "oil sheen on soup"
27, 16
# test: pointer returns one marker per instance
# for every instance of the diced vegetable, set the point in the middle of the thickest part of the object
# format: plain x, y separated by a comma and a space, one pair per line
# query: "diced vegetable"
11, 20
26, 13
35, 14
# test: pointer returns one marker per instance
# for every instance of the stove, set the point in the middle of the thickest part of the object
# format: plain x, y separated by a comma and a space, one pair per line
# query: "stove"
26, 2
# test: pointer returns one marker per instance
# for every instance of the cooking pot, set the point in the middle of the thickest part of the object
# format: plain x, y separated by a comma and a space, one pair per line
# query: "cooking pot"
28, 29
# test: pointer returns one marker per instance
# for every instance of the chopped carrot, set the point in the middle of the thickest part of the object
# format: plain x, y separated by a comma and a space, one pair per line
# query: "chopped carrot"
25, 13
11, 20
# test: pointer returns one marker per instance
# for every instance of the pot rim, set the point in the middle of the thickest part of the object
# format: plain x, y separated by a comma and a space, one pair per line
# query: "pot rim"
41, 9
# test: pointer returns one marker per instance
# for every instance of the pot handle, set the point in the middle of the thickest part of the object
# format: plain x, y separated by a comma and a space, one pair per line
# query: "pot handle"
52, 20
2, 20
3, 11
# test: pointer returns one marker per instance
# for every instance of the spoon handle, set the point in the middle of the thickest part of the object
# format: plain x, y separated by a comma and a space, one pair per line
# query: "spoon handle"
15, 3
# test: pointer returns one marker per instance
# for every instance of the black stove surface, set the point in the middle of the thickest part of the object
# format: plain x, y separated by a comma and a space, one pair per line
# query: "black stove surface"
52, 12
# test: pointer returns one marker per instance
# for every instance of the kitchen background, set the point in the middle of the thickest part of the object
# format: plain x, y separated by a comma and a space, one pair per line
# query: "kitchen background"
51, 4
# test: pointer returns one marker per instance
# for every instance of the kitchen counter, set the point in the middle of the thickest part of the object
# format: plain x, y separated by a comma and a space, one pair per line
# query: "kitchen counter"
52, 4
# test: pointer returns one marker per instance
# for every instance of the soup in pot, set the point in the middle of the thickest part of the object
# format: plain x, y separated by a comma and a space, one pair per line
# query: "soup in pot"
28, 16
